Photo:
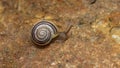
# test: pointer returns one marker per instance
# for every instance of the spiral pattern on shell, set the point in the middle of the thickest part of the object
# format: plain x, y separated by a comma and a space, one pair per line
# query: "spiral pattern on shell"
43, 32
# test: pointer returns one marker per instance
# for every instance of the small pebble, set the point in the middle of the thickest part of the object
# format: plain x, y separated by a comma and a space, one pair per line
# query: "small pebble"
115, 32
92, 1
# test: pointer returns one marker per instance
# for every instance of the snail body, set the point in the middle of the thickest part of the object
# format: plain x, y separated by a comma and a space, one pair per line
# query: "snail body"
43, 33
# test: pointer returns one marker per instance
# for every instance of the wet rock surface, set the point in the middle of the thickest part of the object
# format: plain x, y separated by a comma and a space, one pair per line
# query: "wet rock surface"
94, 39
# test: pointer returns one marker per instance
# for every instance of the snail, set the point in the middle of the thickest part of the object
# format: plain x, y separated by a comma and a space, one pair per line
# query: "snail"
44, 32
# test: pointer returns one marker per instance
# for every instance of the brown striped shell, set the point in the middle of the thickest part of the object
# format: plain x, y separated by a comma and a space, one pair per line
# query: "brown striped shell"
43, 33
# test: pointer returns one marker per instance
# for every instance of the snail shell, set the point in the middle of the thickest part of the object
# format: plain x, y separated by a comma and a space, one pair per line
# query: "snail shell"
43, 33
